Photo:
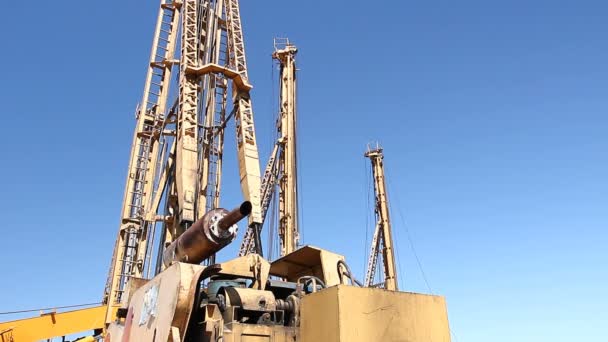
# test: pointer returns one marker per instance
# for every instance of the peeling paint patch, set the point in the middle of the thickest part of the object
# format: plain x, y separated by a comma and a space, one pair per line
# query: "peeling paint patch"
148, 308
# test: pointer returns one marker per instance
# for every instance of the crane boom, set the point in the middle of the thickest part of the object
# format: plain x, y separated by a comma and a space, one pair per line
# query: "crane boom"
177, 152
382, 242
281, 168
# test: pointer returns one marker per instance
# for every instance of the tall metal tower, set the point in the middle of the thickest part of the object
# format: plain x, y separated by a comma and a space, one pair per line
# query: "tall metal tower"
281, 170
177, 150
382, 242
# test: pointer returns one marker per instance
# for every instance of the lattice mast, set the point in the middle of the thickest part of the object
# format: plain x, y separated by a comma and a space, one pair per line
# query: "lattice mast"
177, 151
281, 171
382, 241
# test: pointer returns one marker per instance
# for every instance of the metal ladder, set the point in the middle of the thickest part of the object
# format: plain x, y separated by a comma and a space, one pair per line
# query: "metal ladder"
149, 116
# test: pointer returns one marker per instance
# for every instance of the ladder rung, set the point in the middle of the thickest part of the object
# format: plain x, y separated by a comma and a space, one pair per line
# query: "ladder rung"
158, 65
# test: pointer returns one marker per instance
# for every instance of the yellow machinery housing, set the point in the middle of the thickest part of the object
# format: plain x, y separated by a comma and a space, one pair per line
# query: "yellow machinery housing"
239, 301
317, 302
348, 313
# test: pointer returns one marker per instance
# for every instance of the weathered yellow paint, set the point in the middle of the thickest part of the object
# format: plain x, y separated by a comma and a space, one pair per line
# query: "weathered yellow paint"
170, 295
308, 260
238, 332
53, 324
351, 314
319, 317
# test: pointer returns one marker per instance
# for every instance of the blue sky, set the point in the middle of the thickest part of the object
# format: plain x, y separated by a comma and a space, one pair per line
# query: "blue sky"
492, 116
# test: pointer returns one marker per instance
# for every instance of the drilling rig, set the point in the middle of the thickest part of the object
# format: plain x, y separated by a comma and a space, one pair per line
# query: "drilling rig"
382, 241
177, 154
282, 167
164, 282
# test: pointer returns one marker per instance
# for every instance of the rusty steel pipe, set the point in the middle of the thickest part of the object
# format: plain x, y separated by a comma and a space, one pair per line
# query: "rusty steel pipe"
216, 229
235, 216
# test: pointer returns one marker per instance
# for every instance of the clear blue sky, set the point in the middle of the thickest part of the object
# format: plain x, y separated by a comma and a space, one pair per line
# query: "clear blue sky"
493, 116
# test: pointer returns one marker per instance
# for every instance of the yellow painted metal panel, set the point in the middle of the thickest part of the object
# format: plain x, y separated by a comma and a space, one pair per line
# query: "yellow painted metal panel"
319, 317
308, 260
238, 332
160, 305
371, 314
53, 325
350, 314
251, 338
